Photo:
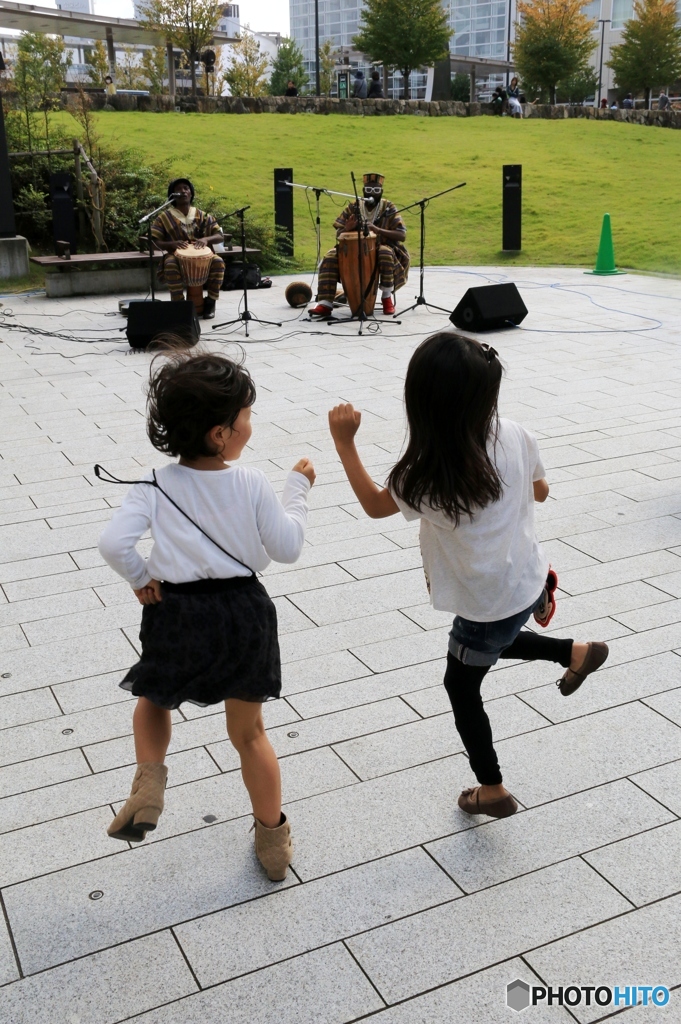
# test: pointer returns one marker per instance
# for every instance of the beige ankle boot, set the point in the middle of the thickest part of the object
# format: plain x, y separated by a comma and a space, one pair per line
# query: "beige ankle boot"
142, 809
273, 848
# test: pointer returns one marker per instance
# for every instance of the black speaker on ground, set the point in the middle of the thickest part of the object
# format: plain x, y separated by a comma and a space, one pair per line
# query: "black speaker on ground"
512, 207
283, 209
146, 320
489, 308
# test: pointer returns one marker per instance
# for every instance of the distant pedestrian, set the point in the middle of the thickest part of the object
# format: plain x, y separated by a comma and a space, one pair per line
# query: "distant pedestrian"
291, 89
209, 628
472, 479
663, 102
359, 86
604, 104
628, 102
613, 105
109, 86
513, 93
375, 87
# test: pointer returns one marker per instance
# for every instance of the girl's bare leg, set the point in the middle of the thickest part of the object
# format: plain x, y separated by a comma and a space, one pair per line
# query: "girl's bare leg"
152, 728
259, 765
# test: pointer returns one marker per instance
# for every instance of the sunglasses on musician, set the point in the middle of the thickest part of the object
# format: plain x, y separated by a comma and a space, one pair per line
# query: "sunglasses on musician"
372, 190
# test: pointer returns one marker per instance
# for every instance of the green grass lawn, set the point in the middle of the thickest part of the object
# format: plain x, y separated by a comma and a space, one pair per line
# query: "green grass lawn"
574, 171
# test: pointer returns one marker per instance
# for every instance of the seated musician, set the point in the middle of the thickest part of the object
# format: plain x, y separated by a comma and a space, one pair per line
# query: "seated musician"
180, 226
393, 258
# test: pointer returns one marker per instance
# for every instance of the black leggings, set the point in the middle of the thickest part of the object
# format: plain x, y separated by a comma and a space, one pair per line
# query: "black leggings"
463, 682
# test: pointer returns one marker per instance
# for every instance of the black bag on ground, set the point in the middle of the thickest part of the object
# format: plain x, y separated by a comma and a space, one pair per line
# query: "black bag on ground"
234, 276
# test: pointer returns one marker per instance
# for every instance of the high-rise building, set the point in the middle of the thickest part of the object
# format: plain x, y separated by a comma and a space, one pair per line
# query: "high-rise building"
480, 28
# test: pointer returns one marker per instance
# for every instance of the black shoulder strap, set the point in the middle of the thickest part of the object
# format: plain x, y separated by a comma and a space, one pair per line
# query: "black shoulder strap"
103, 474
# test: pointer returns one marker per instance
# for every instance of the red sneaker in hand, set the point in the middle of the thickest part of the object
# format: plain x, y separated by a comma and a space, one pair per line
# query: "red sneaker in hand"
388, 305
322, 311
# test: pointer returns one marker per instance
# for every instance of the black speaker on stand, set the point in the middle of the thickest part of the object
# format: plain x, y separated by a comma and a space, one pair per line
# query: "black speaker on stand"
146, 320
489, 308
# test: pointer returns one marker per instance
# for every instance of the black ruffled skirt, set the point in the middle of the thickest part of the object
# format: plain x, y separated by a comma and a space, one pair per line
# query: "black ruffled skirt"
207, 641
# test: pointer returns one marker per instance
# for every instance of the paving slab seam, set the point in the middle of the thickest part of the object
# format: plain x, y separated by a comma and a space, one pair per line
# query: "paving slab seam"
609, 882
15, 952
642, 700
199, 987
366, 975
533, 970
632, 779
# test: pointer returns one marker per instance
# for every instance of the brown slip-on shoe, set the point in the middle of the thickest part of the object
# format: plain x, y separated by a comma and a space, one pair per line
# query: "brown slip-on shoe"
469, 801
572, 679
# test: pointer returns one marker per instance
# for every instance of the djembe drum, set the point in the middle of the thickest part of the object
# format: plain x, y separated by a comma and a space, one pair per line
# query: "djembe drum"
349, 245
195, 267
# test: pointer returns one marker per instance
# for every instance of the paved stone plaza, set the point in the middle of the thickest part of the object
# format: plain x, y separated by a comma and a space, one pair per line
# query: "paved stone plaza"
400, 909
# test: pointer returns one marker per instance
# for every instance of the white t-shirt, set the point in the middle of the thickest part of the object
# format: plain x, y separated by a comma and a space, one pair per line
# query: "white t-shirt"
237, 507
489, 567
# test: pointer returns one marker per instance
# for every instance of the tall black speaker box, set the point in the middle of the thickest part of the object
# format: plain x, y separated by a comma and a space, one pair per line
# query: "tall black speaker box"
63, 211
489, 308
512, 208
283, 209
146, 320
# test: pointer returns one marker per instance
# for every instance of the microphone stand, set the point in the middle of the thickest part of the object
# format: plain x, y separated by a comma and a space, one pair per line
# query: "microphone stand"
318, 223
362, 230
422, 203
147, 220
245, 316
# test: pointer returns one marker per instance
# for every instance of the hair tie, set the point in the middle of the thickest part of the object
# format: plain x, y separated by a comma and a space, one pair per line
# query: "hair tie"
490, 353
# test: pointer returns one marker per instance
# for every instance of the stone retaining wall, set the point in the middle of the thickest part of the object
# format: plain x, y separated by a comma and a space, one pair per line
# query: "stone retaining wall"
380, 108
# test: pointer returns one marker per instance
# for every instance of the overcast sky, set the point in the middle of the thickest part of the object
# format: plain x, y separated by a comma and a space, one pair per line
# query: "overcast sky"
261, 15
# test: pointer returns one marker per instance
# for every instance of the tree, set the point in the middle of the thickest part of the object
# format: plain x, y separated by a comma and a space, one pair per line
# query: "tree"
578, 87
39, 74
650, 52
553, 41
97, 64
404, 34
153, 64
287, 66
245, 74
327, 65
187, 24
129, 69
461, 87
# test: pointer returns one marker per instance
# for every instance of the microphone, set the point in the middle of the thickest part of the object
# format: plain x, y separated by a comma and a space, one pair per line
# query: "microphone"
175, 195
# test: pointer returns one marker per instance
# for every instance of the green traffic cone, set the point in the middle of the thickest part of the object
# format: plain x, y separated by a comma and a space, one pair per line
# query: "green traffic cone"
605, 261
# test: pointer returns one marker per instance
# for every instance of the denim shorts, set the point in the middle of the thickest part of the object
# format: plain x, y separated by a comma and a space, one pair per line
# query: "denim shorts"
481, 643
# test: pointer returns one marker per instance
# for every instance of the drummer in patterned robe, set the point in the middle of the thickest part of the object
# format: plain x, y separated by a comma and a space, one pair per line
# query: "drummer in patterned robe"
180, 226
393, 258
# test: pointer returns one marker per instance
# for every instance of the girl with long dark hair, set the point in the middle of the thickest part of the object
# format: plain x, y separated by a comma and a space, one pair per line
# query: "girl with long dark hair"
472, 480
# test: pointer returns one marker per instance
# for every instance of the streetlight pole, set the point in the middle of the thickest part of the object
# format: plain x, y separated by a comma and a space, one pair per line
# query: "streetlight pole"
316, 47
602, 22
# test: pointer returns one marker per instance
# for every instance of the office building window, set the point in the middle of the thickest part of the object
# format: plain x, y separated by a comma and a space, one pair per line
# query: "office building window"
622, 10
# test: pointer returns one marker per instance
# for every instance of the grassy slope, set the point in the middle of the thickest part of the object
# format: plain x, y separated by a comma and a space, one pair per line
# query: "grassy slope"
573, 172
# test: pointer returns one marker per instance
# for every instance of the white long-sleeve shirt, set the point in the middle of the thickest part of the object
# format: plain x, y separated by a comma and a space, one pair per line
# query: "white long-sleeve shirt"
237, 507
